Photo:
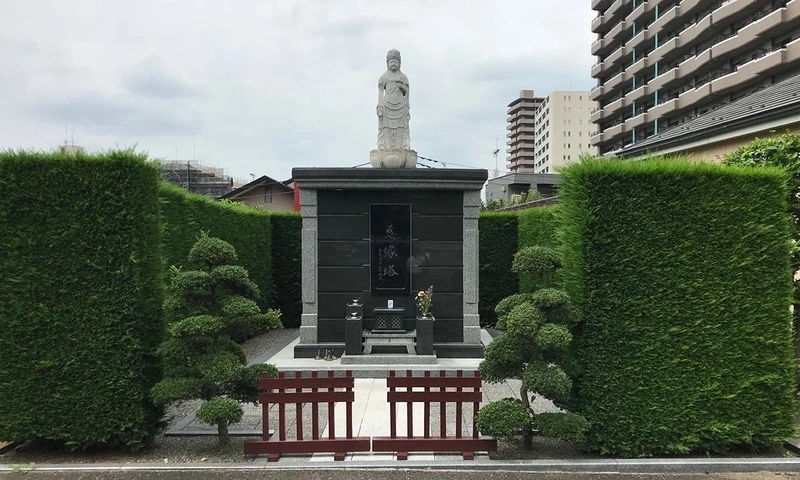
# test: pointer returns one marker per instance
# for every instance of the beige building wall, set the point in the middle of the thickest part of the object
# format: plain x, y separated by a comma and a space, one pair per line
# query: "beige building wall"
563, 129
267, 197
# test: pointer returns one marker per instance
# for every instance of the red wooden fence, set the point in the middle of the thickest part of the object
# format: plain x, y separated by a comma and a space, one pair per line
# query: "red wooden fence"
300, 390
435, 391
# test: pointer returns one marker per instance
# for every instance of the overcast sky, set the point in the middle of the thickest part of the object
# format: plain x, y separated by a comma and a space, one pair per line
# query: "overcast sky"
261, 86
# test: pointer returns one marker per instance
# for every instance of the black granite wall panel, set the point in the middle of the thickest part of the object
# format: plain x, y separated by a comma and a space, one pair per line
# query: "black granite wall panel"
344, 258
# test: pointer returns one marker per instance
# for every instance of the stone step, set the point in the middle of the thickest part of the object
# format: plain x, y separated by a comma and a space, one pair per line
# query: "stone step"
388, 359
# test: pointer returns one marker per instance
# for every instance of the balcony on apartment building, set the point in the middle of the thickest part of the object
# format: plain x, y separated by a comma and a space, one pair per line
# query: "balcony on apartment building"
664, 79
527, 138
601, 4
596, 69
615, 57
613, 107
695, 32
733, 42
792, 51
599, 25
693, 96
597, 92
664, 48
614, 35
692, 64
662, 109
637, 121
730, 11
596, 138
614, 11
613, 83
636, 95
665, 19
637, 40
750, 70
637, 12
615, 131
597, 114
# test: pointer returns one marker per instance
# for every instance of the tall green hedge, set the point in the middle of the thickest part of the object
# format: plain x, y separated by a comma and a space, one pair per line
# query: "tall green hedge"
248, 229
80, 297
497, 246
537, 226
682, 273
287, 265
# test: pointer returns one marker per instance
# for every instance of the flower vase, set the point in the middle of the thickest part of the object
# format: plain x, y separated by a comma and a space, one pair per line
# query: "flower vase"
424, 334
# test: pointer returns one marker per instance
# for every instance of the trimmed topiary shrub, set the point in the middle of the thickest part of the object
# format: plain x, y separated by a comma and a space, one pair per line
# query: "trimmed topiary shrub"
213, 308
681, 272
248, 229
534, 344
80, 298
497, 246
537, 226
287, 266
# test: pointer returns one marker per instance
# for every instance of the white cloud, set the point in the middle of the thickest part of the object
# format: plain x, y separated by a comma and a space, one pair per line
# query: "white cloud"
264, 86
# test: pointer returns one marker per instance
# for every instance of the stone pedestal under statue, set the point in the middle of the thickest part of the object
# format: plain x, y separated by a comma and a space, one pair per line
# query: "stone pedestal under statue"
381, 235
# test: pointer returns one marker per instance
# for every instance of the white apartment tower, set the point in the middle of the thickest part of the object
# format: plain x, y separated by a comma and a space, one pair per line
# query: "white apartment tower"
545, 133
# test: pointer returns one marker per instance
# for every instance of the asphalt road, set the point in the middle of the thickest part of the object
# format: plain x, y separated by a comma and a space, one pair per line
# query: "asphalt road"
378, 474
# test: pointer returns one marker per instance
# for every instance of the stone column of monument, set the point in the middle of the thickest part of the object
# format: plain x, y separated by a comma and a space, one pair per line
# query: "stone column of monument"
394, 114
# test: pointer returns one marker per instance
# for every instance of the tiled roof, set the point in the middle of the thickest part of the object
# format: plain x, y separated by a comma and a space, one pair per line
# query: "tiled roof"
773, 100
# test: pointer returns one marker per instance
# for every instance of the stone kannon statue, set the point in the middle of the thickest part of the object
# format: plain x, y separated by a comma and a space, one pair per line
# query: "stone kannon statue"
394, 140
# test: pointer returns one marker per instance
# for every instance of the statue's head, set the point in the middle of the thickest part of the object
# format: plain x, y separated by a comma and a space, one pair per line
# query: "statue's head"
393, 60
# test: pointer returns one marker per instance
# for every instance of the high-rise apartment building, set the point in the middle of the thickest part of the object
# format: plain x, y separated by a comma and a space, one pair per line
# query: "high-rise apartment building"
521, 129
563, 130
544, 133
664, 62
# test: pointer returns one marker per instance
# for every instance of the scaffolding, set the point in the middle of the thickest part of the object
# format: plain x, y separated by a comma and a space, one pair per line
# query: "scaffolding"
197, 177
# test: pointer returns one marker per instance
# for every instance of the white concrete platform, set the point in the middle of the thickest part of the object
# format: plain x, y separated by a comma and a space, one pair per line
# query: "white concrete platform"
285, 361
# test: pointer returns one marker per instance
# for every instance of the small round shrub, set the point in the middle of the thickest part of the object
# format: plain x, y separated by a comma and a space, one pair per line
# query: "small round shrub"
219, 410
548, 380
536, 260
524, 320
564, 426
505, 418
503, 360
553, 337
210, 251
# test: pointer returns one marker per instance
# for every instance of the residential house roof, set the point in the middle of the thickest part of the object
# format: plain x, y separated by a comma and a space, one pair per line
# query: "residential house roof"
258, 182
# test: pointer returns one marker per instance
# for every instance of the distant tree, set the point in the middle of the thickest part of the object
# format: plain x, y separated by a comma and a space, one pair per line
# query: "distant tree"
209, 308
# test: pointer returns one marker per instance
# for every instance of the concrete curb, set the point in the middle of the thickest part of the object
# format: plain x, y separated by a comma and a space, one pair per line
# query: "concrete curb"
642, 466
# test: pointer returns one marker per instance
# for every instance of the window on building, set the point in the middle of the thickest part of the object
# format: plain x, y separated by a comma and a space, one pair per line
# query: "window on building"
267, 195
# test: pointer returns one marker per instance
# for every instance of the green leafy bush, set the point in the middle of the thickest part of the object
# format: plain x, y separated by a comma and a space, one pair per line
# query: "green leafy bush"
201, 357
506, 418
80, 298
497, 246
247, 229
681, 271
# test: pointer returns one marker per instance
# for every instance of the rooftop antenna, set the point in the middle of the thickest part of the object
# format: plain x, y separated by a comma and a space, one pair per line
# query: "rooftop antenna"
72, 132
66, 130
496, 151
